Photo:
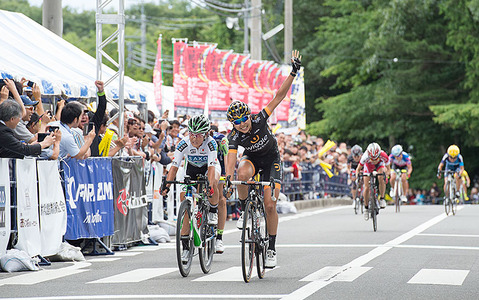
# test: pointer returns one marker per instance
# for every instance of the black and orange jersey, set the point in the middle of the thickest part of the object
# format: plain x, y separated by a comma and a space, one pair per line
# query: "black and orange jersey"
259, 141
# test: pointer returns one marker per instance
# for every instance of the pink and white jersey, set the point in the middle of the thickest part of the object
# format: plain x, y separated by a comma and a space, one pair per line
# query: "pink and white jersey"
370, 166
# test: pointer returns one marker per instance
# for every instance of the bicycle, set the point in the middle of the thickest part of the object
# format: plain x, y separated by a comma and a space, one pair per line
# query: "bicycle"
398, 189
359, 200
200, 234
254, 235
450, 200
373, 206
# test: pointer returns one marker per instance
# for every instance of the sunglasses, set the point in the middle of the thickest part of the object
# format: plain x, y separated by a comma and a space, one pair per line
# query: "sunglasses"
240, 120
196, 135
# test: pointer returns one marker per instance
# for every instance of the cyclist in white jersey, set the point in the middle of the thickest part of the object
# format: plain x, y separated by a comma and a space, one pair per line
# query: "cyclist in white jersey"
199, 150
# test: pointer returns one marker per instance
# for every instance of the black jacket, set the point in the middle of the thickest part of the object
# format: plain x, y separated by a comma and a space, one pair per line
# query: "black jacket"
11, 147
97, 118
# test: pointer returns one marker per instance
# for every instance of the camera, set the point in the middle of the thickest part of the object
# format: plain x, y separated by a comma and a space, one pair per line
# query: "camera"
87, 129
42, 136
53, 128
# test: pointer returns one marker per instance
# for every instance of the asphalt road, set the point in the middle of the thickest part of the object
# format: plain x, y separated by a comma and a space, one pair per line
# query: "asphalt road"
329, 253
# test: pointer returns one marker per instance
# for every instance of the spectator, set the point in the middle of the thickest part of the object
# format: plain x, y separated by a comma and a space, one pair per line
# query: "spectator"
34, 124
98, 118
11, 147
21, 132
71, 116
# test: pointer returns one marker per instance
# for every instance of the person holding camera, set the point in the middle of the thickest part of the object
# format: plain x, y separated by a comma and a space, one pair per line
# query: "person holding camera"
10, 147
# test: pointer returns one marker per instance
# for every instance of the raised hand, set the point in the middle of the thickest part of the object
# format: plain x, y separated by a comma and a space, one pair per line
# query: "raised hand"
99, 85
295, 62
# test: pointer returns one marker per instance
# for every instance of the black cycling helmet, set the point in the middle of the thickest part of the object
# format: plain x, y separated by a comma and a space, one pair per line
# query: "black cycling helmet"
199, 124
356, 150
236, 110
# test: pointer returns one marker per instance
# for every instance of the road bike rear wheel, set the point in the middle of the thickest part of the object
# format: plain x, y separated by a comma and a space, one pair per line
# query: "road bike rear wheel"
447, 207
247, 242
207, 233
263, 241
184, 217
397, 199
372, 209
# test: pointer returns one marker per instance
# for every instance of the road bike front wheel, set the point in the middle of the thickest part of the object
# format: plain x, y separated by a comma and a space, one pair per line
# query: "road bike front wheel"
184, 246
247, 241
372, 209
447, 206
397, 198
263, 241
207, 233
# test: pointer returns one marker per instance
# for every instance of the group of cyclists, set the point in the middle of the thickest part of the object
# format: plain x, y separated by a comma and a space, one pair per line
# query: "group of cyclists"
375, 159
199, 150
207, 152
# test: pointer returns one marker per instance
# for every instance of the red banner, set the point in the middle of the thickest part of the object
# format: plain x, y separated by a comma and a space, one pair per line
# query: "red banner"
219, 86
198, 82
239, 88
157, 77
282, 111
255, 92
180, 77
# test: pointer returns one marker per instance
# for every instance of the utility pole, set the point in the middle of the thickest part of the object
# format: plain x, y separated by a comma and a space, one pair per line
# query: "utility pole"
288, 30
246, 37
52, 17
143, 36
256, 30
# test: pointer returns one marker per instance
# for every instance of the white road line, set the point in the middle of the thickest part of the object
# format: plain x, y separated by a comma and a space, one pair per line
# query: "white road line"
313, 287
230, 274
162, 296
135, 275
439, 276
450, 235
126, 253
45, 275
299, 216
103, 259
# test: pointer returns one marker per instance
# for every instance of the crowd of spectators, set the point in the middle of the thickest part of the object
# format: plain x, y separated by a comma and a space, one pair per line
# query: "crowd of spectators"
76, 130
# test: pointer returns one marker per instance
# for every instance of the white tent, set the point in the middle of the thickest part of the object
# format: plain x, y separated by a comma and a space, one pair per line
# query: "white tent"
29, 50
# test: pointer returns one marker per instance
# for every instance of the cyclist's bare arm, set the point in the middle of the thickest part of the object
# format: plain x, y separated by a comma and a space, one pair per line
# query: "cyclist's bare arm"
230, 163
283, 90
409, 170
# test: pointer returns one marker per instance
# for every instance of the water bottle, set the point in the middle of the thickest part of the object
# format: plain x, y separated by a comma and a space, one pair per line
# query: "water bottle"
196, 224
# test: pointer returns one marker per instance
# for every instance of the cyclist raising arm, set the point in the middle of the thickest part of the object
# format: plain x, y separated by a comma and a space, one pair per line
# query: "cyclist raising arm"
454, 162
261, 152
374, 159
400, 160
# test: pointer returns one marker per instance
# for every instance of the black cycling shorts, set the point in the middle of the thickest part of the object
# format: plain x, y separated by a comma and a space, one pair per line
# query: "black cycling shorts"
193, 171
270, 164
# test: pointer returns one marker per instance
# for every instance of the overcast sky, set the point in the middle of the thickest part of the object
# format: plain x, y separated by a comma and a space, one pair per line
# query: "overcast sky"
89, 4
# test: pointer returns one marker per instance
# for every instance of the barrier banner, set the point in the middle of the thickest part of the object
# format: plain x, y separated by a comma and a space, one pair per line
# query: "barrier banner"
157, 76
180, 78
131, 213
53, 211
4, 205
27, 207
157, 213
89, 197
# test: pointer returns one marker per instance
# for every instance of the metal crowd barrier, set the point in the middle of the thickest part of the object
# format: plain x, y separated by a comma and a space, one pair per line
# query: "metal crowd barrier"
314, 184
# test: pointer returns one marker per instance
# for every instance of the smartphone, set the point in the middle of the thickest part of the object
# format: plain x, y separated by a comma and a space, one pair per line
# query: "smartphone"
53, 128
30, 83
90, 126
42, 136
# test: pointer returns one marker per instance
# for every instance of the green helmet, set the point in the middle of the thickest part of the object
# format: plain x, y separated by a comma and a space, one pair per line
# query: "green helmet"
236, 110
199, 124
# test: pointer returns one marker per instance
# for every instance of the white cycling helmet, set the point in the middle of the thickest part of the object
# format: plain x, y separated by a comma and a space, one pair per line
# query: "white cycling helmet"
396, 150
374, 150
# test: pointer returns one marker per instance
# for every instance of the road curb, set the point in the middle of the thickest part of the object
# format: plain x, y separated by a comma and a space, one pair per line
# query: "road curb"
323, 202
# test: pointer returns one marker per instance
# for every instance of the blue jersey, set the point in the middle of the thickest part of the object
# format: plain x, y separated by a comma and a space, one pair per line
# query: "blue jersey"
452, 165
220, 141
402, 161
